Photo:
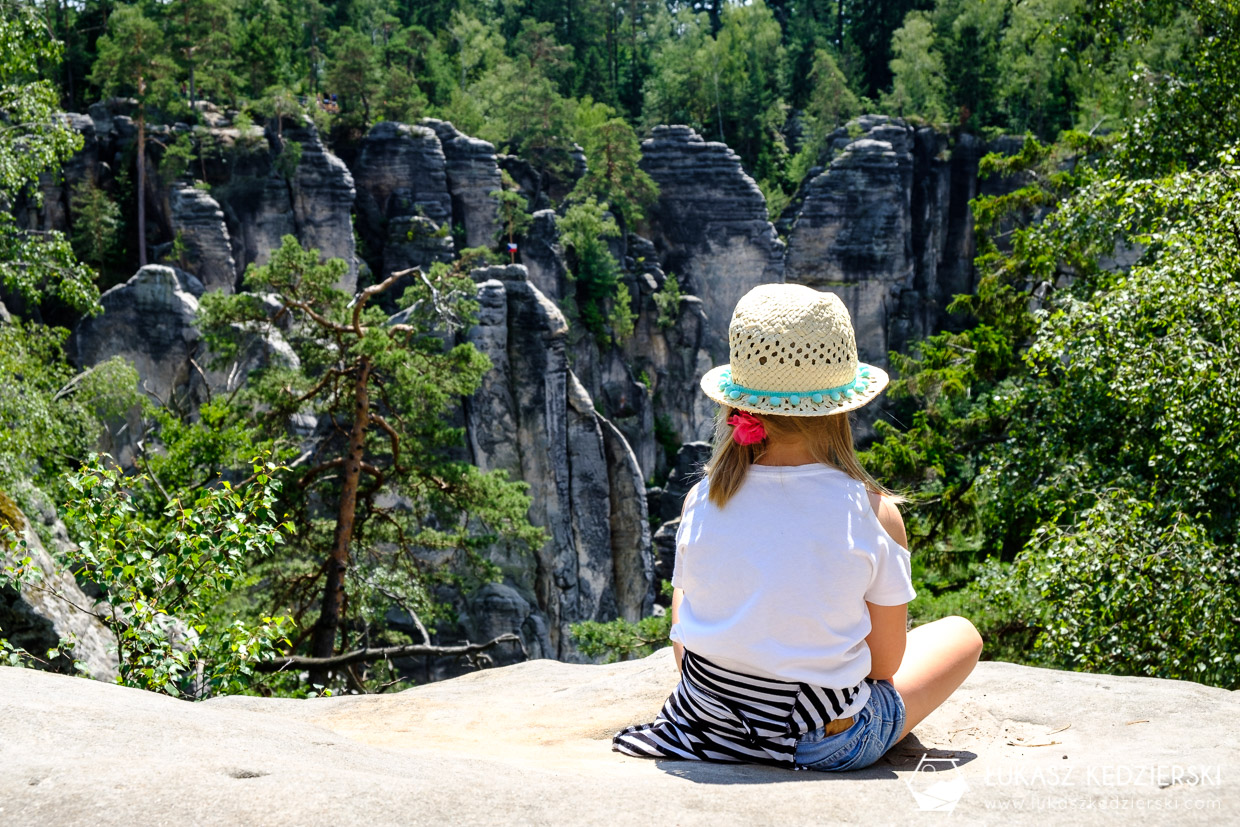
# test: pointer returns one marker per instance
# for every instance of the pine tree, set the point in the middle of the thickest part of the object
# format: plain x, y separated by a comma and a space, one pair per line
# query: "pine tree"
133, 58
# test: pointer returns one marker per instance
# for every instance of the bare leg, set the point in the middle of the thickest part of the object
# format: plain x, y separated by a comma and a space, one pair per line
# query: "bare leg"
937, 659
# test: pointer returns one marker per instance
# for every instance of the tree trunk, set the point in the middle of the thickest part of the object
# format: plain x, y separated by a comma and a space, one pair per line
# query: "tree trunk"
324, 642
141, 181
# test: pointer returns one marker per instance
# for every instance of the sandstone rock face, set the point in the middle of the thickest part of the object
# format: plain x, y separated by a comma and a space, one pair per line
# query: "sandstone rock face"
534, 419
710, 224
150, 321
632, 555
401, 171
854, 233
258, 205
197, 217
886, 224
686, 473
402, 196
414, 241
36, 620
473, 175
259, 214
543, 256
322, 198
531, 743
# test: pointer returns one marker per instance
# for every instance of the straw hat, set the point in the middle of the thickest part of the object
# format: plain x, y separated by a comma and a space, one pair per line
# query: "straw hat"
793, 354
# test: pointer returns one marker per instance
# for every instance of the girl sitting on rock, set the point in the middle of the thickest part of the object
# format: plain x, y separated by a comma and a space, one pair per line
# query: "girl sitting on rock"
792, 580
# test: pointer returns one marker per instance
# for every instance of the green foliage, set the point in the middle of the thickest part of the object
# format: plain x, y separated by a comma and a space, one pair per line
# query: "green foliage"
352, 74
831, 102
918, 85
621, 317
15, 656
35, 139
134, 58
583, 229
418, 518
49, 414
727, 84
620, 639
96, 225
288, 160
514, 217
667, 299
1135, 587
165, 580
178, 155
613, 156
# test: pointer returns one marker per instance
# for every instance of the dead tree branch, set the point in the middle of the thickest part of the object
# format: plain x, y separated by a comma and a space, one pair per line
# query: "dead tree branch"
387, 652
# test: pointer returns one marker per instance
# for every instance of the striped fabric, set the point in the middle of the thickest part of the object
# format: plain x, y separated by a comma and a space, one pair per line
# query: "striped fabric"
715, 714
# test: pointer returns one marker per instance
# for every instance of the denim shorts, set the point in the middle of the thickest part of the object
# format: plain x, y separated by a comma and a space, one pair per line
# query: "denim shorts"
875, 730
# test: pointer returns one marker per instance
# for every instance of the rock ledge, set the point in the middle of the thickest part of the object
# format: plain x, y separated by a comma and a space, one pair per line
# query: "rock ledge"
529, 744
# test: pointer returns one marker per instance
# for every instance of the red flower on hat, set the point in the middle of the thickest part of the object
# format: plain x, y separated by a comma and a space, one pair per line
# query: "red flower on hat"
747, 429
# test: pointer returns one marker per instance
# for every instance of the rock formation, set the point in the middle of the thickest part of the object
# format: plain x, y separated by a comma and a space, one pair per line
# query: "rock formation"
402, 197
710, 224
197, 218
531, 744
322, 194
38, 618
150, 321
853, 235
543, 256
886, 224
473, 175
250, 203
533, 418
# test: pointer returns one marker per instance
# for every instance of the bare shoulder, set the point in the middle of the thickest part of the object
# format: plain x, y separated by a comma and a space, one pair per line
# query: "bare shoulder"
889, 518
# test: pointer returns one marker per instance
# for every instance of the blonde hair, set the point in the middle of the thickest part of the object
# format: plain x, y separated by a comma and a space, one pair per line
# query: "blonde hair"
828, 438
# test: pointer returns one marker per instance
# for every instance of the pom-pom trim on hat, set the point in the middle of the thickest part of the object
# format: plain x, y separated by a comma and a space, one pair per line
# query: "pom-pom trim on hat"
867, 384
848, 390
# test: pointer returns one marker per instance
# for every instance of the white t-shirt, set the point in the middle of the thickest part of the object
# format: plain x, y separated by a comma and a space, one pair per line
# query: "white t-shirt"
775, 584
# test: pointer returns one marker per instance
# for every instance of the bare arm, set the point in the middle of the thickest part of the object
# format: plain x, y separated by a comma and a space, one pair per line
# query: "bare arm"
678, 648
888, 624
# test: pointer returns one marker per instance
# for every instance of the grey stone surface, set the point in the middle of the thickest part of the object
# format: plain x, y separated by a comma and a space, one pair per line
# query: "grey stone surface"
322, 195
710, 224
402, 185
149, 320
690, 460
197, 217
400, 170
853, 236
674, 358
631, 551
532, 418
38, 618
886, 224
414, 241
473, 175
530, 744
664, 543
543, 256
